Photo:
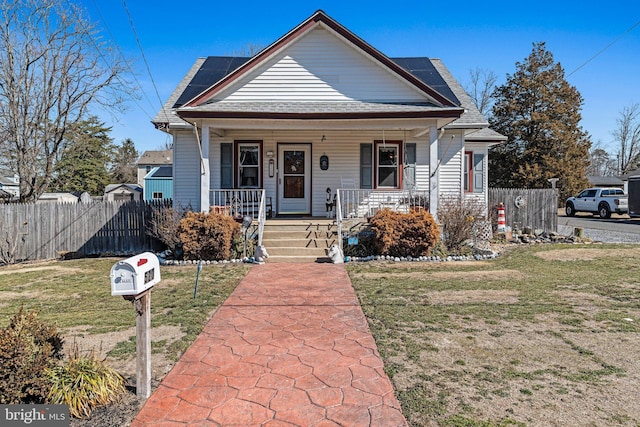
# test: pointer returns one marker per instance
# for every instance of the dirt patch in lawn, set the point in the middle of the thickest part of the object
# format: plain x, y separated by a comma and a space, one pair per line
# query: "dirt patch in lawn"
102, 344
475, 275
587, 254
474, 297
58, 269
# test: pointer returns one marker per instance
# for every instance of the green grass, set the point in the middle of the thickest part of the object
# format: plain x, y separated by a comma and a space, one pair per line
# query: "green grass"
77, 295
522, 327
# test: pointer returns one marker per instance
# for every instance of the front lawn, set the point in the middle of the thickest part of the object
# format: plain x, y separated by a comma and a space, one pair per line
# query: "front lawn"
544, 335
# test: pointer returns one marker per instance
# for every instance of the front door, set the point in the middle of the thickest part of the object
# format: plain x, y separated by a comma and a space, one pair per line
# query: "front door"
294, 179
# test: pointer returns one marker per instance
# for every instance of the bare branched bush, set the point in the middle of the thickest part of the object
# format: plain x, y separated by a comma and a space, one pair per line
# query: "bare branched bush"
164, 226
459, 218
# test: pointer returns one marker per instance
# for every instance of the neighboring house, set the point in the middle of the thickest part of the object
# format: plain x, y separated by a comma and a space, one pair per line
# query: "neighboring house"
321, 109
158, 184
10, 186
625, 179
151, 159
605, 181
118, 192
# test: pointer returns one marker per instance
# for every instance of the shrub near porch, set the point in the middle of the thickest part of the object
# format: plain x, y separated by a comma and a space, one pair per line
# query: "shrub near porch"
404, 234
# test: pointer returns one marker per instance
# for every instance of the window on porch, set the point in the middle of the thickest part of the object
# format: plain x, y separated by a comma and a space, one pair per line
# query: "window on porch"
473, 172
241, 164
383, 167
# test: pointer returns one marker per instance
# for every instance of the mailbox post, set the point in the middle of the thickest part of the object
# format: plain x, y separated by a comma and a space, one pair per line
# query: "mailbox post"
133, 278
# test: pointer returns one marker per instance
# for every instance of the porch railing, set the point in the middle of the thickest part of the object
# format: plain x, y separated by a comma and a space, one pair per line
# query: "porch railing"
360, 204
240, 203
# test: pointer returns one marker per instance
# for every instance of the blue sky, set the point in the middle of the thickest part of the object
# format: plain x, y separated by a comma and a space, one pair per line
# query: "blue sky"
465, 35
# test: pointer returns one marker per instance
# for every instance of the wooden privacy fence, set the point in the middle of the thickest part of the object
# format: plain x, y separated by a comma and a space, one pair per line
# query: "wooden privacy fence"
537, 209
49, 230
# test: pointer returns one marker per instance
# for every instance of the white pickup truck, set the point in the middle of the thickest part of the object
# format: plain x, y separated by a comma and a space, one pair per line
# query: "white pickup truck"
599, 201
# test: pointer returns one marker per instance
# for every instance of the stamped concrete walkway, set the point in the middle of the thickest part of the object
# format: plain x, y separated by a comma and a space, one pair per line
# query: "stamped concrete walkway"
290, 347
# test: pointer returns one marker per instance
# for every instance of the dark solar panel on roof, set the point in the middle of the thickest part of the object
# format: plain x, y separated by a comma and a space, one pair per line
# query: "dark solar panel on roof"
212, 70
423, 69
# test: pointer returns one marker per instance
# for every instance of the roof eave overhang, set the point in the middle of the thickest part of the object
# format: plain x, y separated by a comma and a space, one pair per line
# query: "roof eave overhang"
452, 113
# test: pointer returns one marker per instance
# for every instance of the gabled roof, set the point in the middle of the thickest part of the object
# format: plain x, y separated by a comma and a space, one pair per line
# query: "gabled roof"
319, 17
209, 76
129, 187
159, 157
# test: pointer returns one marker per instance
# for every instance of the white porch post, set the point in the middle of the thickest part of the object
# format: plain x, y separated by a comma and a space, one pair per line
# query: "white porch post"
205, 173
434, 172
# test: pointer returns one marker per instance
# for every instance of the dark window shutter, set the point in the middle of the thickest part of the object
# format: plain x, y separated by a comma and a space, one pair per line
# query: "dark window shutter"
410, 166
226, 165
366, 166
478, 173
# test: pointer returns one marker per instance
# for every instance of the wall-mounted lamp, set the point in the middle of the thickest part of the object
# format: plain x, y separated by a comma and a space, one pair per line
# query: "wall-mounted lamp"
269, 153
323, 139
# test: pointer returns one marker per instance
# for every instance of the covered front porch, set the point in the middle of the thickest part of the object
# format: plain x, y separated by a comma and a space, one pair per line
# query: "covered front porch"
253, 206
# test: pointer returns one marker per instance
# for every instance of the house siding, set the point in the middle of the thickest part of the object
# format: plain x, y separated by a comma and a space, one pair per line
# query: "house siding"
186, 175
450, 151
158, 185
342, 148
321, 67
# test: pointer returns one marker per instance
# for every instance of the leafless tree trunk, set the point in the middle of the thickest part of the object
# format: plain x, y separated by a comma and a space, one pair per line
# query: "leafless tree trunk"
53, 68
627, 136
481, 88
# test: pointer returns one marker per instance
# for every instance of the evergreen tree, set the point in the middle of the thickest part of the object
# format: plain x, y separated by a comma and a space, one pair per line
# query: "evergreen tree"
124, 169
539, 111
84, 162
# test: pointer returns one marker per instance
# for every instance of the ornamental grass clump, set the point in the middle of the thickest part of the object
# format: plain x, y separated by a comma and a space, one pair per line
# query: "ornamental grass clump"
84, 382
404, 234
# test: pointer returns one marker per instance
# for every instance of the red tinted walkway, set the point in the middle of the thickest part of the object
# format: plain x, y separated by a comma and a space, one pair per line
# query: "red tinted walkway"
290, 347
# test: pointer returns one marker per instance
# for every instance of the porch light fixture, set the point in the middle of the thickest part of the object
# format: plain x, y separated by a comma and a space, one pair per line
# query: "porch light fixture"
270, 153
323, 139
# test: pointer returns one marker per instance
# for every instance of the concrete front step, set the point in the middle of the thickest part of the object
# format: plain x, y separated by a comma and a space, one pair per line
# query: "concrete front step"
297, 243
297, 259
303, 240
295, 251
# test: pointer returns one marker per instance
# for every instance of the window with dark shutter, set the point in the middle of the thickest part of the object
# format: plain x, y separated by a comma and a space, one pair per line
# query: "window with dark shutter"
226, 165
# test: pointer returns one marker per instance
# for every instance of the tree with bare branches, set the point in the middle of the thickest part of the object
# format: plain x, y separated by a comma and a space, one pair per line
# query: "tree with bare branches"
53, 69
627, 136
480, 89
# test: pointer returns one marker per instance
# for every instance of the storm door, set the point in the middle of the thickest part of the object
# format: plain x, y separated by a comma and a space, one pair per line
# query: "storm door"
294, 179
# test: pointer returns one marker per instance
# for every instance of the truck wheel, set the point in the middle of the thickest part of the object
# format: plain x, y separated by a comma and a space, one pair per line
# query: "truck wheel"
569, 209
603, 211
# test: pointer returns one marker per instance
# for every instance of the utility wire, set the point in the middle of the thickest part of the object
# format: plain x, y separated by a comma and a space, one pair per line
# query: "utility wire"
144, 58
605, 48
104, 22
99, 51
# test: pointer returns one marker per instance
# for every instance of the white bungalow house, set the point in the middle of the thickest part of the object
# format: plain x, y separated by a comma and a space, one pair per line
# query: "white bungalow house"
320, 110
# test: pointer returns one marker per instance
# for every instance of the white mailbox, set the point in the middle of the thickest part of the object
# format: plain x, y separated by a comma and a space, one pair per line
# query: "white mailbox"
135, 275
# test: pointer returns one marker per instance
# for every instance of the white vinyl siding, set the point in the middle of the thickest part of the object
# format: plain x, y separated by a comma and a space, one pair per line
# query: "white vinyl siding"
451, 151
186, 175
321, 67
